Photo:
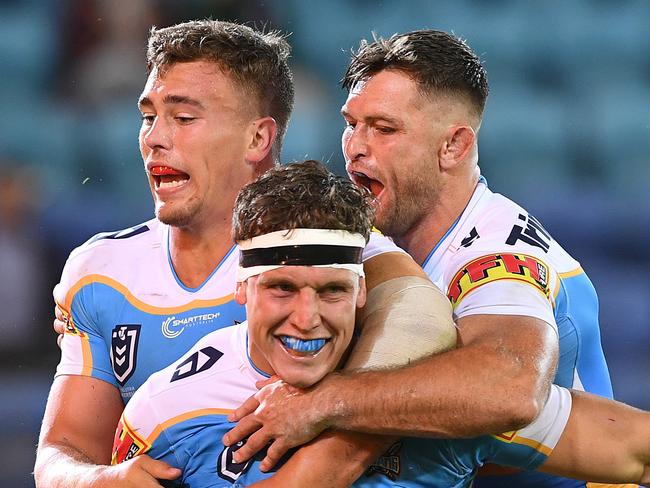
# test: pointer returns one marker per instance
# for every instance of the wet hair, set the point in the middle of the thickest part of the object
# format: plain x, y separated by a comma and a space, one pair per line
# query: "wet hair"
301, 195
439, 62
256, 61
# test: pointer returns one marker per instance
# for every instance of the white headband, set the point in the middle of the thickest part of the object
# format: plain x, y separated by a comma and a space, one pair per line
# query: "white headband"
300, 247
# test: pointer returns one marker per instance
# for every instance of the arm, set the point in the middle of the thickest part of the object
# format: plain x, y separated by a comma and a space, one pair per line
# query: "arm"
497, 382
404, 324
604, 440
77, 436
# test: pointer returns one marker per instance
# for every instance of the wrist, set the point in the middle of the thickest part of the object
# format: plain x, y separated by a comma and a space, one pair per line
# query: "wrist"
328, 402
96, 477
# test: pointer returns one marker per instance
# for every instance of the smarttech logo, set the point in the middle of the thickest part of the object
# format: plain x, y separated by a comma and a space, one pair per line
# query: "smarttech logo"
173, 327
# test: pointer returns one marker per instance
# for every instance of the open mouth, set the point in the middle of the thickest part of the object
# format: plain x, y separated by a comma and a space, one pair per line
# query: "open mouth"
302, 347
166, 177
361, 179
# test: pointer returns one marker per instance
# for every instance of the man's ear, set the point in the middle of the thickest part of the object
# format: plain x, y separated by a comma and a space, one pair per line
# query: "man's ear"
457, 145
361, 296
240, 292
262, 137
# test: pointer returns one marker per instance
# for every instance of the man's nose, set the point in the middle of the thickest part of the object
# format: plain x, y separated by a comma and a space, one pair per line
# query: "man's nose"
157, 135
306, 313
355, 143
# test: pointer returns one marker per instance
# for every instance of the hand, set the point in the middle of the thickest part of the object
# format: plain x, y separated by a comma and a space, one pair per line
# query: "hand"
279, 416
59, 324
139, 472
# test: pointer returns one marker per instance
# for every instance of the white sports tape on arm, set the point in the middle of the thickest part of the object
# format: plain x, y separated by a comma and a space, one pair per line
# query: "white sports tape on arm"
405, 319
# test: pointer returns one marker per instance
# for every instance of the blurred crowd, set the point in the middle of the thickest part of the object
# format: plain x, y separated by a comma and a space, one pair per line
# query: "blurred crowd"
566, 133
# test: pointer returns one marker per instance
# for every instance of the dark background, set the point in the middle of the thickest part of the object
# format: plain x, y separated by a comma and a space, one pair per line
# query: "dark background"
566, 134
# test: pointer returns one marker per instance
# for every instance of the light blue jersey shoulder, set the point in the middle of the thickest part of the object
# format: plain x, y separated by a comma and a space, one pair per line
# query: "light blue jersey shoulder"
128, 314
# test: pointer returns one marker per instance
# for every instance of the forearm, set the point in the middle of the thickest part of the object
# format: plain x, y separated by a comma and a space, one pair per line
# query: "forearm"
77, 433
312, 465
59, 466
484, 387
604, 441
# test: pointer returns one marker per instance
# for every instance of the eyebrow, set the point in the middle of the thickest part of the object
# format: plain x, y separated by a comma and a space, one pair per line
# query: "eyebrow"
373, 118
172, 100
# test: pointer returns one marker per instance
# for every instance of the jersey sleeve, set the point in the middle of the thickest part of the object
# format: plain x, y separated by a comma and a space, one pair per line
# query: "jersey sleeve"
529, 447
84, 350
379, 244
502, 283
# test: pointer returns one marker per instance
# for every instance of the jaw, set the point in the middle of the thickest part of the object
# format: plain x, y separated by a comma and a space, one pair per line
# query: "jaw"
301, 368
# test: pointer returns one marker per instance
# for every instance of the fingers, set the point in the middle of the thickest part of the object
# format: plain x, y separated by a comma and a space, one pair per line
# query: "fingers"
246, 408
59, 323
240, 431
273, 454
59, 326
58, 313
255, 443
159, 469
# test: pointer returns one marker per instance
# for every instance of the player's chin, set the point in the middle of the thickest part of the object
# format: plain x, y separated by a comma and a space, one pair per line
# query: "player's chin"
173, 213
303, 376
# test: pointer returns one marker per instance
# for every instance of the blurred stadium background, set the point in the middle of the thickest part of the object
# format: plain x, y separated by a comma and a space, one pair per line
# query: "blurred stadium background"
566, 134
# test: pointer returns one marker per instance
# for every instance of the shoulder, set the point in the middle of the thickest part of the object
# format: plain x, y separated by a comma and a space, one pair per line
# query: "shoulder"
108, 253
209, 380
499, 225
379, 244
106, 243
213, 373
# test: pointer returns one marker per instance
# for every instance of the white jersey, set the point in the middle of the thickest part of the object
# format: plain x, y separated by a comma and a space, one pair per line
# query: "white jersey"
498, 259
128, 313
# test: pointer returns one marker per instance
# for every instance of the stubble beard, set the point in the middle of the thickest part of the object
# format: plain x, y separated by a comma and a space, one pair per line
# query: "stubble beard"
410, 204
177, 217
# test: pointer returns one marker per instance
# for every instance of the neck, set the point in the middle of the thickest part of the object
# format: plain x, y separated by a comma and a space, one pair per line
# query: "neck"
195, 253
420, 239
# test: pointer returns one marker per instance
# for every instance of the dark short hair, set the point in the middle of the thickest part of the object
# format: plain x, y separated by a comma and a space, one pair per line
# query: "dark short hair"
257, 61
302, 195
438, 61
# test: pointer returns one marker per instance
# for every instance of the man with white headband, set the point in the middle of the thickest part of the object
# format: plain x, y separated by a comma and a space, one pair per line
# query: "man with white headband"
302, 286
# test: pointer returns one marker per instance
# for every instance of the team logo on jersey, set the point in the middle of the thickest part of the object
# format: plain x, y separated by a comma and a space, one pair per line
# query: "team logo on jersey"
227, 468
124, 351
389, 464
494, 267
531, 232
173, 327
470, 238
126, 443
197, 363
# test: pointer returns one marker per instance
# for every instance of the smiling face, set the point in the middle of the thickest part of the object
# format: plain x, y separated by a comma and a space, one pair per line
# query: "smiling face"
391, 141
195, 134
300, 320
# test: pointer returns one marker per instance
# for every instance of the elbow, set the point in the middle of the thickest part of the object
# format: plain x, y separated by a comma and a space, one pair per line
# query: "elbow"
524, 405
39, 471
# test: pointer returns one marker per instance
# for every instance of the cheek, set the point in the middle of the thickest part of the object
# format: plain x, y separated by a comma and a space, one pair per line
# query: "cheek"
141, 144
345, 138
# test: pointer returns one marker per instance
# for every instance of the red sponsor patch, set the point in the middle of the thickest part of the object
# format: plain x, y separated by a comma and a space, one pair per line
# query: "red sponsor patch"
494, 267
127, 444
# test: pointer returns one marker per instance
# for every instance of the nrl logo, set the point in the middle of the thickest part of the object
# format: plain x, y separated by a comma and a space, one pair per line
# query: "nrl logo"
124, 351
